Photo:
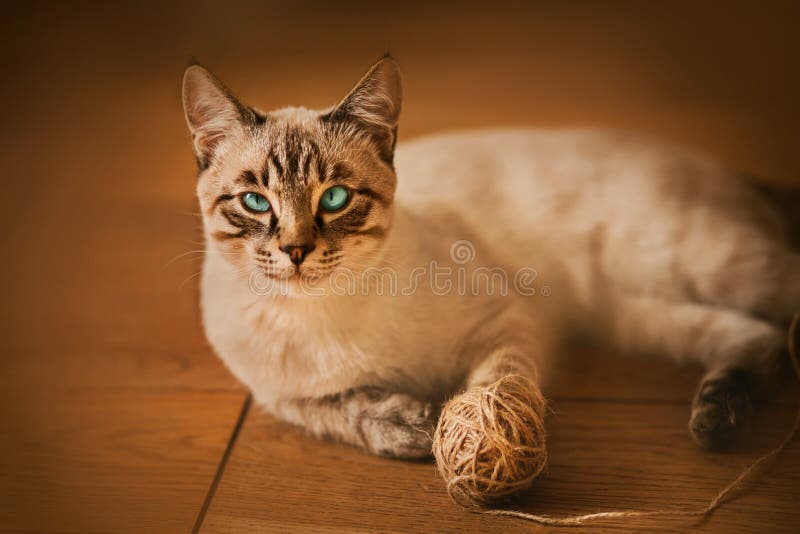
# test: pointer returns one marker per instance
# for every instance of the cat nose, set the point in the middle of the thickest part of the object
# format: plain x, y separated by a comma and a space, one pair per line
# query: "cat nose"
297, 253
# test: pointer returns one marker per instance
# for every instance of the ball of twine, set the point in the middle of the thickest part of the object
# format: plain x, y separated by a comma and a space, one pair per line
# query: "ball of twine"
490, 441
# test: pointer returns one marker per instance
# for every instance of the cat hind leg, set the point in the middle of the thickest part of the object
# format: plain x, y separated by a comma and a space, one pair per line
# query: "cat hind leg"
740, 353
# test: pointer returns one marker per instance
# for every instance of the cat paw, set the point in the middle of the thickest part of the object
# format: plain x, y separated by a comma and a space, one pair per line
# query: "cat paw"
398, 426
721, 409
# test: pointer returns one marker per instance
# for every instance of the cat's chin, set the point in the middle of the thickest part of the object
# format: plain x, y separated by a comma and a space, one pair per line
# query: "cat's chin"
290, 283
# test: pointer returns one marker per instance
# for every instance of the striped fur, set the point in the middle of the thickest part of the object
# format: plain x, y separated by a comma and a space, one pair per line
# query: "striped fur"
292, 156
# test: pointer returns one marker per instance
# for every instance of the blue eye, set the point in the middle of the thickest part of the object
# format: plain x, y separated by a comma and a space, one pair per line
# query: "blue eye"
255, 202
334, 198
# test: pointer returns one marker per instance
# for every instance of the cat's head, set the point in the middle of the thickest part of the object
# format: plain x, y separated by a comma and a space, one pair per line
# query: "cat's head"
295, 193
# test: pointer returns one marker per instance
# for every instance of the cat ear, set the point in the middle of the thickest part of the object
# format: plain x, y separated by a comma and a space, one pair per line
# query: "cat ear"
374, 105
212, 112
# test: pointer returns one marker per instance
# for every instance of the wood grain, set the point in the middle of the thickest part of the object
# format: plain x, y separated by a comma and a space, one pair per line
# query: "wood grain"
111, 461
115, 413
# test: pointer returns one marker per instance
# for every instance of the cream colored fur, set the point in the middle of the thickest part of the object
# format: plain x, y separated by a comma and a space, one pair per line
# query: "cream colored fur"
650, 247
596, 214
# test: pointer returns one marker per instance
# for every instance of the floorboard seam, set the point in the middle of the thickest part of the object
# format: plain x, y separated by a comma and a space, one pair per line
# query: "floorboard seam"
212, 489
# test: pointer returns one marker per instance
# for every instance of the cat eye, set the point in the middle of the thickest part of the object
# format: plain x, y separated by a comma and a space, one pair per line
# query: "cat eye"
255, 202
334, 198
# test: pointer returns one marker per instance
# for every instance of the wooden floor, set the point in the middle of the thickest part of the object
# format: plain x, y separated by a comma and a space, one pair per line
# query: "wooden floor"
115, 416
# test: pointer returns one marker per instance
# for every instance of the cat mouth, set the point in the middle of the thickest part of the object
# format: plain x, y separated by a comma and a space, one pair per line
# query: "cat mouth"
297, 273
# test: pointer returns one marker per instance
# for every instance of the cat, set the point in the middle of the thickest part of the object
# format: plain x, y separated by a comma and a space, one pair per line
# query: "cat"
353, 285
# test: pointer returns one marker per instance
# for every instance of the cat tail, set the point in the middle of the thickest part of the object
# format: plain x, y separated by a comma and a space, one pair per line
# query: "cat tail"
786, 199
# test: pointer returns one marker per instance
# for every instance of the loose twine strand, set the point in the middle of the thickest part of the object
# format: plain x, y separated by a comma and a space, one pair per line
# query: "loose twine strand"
726, 494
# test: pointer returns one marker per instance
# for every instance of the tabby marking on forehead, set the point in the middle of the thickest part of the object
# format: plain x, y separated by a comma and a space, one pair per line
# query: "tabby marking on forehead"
293, 156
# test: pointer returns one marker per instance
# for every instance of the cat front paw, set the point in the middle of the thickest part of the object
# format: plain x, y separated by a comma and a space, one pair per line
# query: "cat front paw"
398, 426
721, 409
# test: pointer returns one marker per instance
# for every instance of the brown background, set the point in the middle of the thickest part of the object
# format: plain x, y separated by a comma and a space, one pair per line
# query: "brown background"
115, 414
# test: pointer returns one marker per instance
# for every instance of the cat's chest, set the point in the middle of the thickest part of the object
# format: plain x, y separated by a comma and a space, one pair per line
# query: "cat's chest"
282, 350
295, 350
310, 347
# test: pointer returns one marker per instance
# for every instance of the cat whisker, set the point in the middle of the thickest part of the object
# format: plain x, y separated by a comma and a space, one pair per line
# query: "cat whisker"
180, 256
188, 279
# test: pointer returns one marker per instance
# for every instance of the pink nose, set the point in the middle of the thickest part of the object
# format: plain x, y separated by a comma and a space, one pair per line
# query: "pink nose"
297, 253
